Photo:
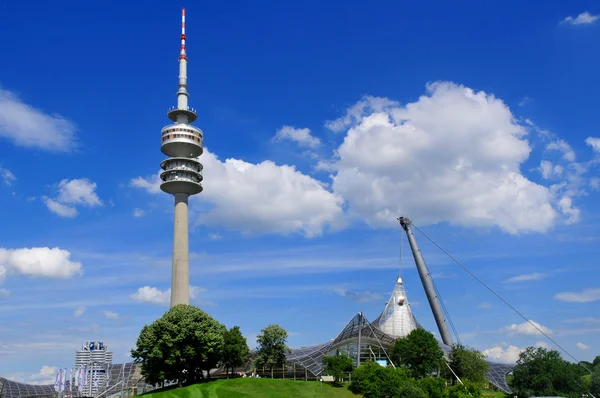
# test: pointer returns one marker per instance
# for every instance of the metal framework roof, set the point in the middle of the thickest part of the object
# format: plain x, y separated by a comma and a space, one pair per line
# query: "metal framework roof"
13, 389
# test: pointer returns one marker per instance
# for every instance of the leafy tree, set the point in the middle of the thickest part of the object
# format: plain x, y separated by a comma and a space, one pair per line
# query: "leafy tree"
410, 389
419, 352
337, 366
434, 387
179, 346
235, 349
272, 348
596, 361
468, 364
544, 372
374, 381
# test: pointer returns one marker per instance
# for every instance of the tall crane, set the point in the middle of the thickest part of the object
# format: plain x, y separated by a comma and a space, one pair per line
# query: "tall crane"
432, 297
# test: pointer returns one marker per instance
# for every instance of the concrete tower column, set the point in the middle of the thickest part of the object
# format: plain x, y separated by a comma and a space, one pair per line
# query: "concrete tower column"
180, 282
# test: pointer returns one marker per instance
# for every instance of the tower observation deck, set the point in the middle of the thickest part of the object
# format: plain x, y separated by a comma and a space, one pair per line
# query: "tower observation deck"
182, 174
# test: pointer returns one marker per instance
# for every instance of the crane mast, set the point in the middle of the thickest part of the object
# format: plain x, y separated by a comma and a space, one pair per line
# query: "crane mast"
427, 281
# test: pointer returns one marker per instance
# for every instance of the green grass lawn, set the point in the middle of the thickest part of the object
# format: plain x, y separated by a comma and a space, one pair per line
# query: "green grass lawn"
255, 388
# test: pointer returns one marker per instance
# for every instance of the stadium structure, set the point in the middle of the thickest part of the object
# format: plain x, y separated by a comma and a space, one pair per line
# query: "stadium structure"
363, 340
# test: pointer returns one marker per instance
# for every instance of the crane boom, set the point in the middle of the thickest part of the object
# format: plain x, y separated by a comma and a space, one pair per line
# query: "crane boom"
432, 297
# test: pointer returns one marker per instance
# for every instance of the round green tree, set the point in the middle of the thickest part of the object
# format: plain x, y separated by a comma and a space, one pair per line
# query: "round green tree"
419, 352
180, 345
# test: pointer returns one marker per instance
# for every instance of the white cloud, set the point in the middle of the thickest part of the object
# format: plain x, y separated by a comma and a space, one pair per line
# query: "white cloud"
138, 212
504, 353
60, 209
355, 113
454, 155
526, 329
3, 272
359, 297
4, 293
151, 184
583, 347
46, 375
153, 295
595, 183
302, 137
79, 312
7, 176
594, 142
584, 320
261, 198
215, 236
527, 277
110, 314
30, 127
485, 305
584, 296
71, 193
549, 170
565, 204
563, 147
525, 100
585, 18
40, 262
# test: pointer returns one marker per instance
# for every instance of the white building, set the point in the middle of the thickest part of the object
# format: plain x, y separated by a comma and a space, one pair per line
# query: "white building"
92, 365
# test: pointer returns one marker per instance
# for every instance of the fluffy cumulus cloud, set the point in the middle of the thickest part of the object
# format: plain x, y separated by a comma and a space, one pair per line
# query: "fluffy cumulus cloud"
302, 137
30, 127
454, 155
503, 353
261, 198
526, 329
584, 296
39, 262
152, 295
585, 18
72, 193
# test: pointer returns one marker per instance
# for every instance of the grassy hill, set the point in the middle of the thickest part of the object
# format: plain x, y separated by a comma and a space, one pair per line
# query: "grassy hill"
255, 388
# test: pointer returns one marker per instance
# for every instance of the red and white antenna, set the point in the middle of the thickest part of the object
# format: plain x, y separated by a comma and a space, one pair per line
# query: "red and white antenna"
183, 55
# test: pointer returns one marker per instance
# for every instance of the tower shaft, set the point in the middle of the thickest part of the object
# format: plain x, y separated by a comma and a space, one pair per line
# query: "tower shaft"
182, 176
180, 282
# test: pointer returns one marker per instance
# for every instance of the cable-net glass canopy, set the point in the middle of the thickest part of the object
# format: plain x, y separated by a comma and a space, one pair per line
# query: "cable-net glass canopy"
373, 346
13, 389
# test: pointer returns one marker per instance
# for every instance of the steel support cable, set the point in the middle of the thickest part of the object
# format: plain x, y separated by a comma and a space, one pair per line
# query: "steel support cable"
446, 312
501, 299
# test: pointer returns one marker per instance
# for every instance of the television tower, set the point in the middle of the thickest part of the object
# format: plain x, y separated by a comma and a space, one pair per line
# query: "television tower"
182, 175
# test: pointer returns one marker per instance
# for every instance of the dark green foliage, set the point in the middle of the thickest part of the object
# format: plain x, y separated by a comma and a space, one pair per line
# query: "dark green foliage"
466, 390
434, 387
419, 352
272, 348
544, 372
179, 346
596, 361
410, 389
337, 366
468, 364
374, 381
595, 383
235, 349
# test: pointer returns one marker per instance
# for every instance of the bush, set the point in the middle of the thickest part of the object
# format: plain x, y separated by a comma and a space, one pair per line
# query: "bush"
374, 381
409, 389
466, 390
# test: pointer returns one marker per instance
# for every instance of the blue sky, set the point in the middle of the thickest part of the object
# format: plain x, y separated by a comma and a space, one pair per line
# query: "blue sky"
322, 123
